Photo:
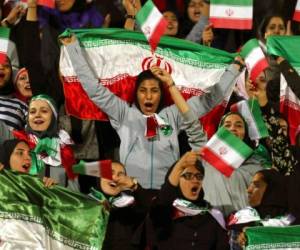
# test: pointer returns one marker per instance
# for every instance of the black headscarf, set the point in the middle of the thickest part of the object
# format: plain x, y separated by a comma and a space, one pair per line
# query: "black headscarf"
8, 88
6, 150
274, 201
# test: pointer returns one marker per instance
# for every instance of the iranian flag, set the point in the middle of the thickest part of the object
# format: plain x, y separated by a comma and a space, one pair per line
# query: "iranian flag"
225, 151
110, 53
289, 48
296, 16
231, 14
4, 40
152, 23
273, 238
250, 110
33, 216
254, 58
96, 168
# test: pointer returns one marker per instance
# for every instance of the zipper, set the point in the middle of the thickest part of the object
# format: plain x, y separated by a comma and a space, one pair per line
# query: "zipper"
130, 150
151, 165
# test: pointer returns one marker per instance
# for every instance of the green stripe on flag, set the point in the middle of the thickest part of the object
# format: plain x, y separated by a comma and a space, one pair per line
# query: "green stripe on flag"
273, 237
248, 47
286, 46
4, 32
79, 168
232, 2
257, 115
234, 142
145, 11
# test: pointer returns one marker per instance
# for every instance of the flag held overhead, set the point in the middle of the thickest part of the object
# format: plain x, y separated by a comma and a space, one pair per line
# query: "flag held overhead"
152, 23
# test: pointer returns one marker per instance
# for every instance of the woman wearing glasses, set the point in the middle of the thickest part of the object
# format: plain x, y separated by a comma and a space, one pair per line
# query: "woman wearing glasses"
180, 218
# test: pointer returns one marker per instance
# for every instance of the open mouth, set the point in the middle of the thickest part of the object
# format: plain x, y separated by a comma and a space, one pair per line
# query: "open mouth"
38, 122
194, 190
26, 167
197, 14
112, 184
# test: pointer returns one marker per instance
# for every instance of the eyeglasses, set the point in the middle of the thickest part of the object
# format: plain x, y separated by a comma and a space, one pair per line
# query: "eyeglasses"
189, 176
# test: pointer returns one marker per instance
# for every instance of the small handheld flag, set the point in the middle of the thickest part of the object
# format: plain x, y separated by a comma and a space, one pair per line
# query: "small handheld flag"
152, 23
96, 168
4, 39
296, 16
231, 14
225, 151
255, 58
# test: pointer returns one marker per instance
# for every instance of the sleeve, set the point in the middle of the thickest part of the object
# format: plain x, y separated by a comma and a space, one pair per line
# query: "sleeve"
195, 34
5, 133
206, 102
112, 105
291, 76
196, 136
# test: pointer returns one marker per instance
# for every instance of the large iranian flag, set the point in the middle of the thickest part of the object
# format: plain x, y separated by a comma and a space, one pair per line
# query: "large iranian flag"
225, 151
231, 14
117, 56
35, 217
289, 48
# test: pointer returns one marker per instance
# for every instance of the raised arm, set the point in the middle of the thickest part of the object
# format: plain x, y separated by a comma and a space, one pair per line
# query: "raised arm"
112, 105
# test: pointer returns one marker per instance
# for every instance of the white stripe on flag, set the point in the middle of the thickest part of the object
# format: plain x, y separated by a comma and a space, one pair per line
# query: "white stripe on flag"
227, 11
254, 57
92, 168
3, 45
225, 152
151, 22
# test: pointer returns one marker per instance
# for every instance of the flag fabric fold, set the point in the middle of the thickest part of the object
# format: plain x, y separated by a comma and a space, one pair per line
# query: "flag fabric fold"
96, 168
251, 111
231, 14
35, 217
152, 22
254, 58
225, 151
296, 16
4, 40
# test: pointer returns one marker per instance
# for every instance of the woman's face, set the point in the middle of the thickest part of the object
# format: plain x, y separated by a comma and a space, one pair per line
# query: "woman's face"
5, 73
190, 183
40, 115
112, 187
20, 159
64, 5
23, 84
275, 27
256, 190
194, 10
235, 124
172, 28
148, 96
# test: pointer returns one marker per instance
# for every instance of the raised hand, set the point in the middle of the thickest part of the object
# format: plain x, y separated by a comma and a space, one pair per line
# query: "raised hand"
162, 75
49, 182
207, 35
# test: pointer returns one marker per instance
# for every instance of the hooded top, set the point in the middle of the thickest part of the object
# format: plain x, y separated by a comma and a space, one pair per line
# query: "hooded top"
274, 201
6, 150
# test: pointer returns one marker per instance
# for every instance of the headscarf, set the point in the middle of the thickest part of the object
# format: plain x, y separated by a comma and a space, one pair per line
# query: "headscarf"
52, 130
16, 76
274, 201
8, 88
6, 150
246, 139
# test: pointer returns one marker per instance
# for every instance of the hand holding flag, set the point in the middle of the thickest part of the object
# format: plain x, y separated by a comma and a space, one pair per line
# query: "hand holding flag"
152, 23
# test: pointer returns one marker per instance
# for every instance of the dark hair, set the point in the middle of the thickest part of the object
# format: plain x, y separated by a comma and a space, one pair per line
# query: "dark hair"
263, 25
147, 75
8, 87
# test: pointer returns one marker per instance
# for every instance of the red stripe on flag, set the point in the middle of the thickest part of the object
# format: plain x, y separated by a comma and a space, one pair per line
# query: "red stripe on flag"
105, 169
241, 24
157, 33
216, 162
3, 57
296, 16
258, 68
47, 3
234, 108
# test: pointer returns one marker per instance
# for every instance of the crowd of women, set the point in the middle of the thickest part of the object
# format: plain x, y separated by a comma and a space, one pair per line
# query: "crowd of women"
186, 202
